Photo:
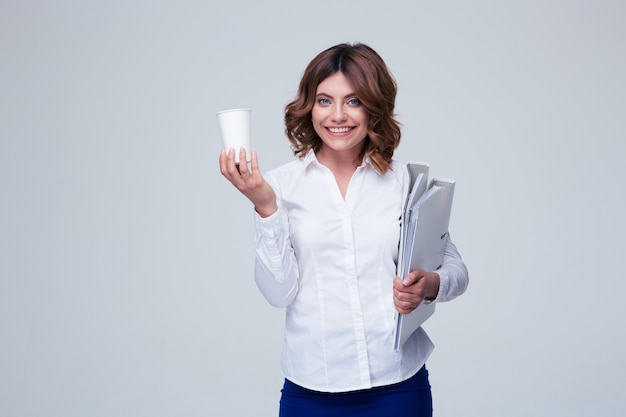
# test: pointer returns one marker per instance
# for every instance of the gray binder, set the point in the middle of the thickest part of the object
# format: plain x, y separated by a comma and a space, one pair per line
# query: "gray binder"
422, 242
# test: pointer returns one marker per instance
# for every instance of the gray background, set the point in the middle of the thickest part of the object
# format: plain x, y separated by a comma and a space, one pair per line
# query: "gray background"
126, 283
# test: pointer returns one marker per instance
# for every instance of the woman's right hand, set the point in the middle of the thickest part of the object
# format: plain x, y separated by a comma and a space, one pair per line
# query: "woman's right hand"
249, 182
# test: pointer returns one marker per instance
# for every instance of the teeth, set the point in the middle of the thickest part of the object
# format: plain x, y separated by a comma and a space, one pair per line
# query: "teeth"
339, 129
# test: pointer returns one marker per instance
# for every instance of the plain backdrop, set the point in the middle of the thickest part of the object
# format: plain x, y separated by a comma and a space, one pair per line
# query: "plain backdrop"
126, 259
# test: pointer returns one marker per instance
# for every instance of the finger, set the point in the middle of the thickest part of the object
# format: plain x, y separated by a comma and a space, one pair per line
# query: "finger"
405, 307
398, 285
231, 167
242, 167
242, 156
402, 292
413, 277
254, 162
401, 297
225, 163
245, 173
408, 297
409, 279
413, 294
401, 287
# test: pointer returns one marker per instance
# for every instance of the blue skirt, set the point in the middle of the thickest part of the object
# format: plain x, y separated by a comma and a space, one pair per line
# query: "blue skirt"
410, 398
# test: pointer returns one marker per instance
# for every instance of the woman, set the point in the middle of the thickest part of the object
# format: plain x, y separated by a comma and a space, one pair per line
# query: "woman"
327, 234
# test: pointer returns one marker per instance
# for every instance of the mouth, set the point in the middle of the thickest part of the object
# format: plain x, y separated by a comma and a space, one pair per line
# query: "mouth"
343, 129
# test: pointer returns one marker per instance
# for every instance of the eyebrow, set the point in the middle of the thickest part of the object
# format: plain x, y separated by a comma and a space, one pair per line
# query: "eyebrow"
351, 95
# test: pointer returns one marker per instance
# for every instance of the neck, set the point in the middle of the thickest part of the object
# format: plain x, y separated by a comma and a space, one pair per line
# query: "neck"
338, 162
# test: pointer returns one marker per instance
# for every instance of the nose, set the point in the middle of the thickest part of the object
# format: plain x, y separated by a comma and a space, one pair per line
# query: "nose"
339, 113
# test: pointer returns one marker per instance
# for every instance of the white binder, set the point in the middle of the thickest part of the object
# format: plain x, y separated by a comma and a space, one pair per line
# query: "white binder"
422, 242
418, 174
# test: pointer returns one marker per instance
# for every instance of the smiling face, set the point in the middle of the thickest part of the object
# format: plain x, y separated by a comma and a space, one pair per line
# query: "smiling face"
339, 118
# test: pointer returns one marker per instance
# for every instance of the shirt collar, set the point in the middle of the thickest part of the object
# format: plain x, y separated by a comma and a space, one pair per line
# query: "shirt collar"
311, 158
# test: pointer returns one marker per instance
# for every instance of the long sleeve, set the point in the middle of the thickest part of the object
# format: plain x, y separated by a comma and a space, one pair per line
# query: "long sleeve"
276, 268
453, 274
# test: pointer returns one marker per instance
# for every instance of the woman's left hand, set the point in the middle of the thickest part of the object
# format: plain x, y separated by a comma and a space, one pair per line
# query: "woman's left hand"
409, 293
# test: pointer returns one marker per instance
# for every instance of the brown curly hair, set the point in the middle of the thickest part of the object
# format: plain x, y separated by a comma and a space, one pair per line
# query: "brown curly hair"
375, 88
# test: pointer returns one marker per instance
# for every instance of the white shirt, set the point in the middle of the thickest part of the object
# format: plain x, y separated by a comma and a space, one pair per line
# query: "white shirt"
331, 262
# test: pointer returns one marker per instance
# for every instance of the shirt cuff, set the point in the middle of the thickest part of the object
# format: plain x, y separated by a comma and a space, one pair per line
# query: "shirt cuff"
270, 226
444, 284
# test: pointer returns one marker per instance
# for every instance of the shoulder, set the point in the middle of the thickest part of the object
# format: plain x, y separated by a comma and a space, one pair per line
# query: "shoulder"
399, 170
285, 173
398, 166
286, 169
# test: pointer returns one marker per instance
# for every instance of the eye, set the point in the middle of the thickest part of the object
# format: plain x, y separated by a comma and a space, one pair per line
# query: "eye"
354, 102
323, 101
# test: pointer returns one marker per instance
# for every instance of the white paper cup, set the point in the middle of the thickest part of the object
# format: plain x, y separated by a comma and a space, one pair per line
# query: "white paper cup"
235, 130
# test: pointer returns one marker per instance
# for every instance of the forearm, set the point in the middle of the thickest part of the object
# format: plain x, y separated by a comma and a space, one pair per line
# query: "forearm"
453, 274
276, 269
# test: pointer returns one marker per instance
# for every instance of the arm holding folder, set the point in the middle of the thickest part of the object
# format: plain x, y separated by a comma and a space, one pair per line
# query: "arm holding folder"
425, 246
